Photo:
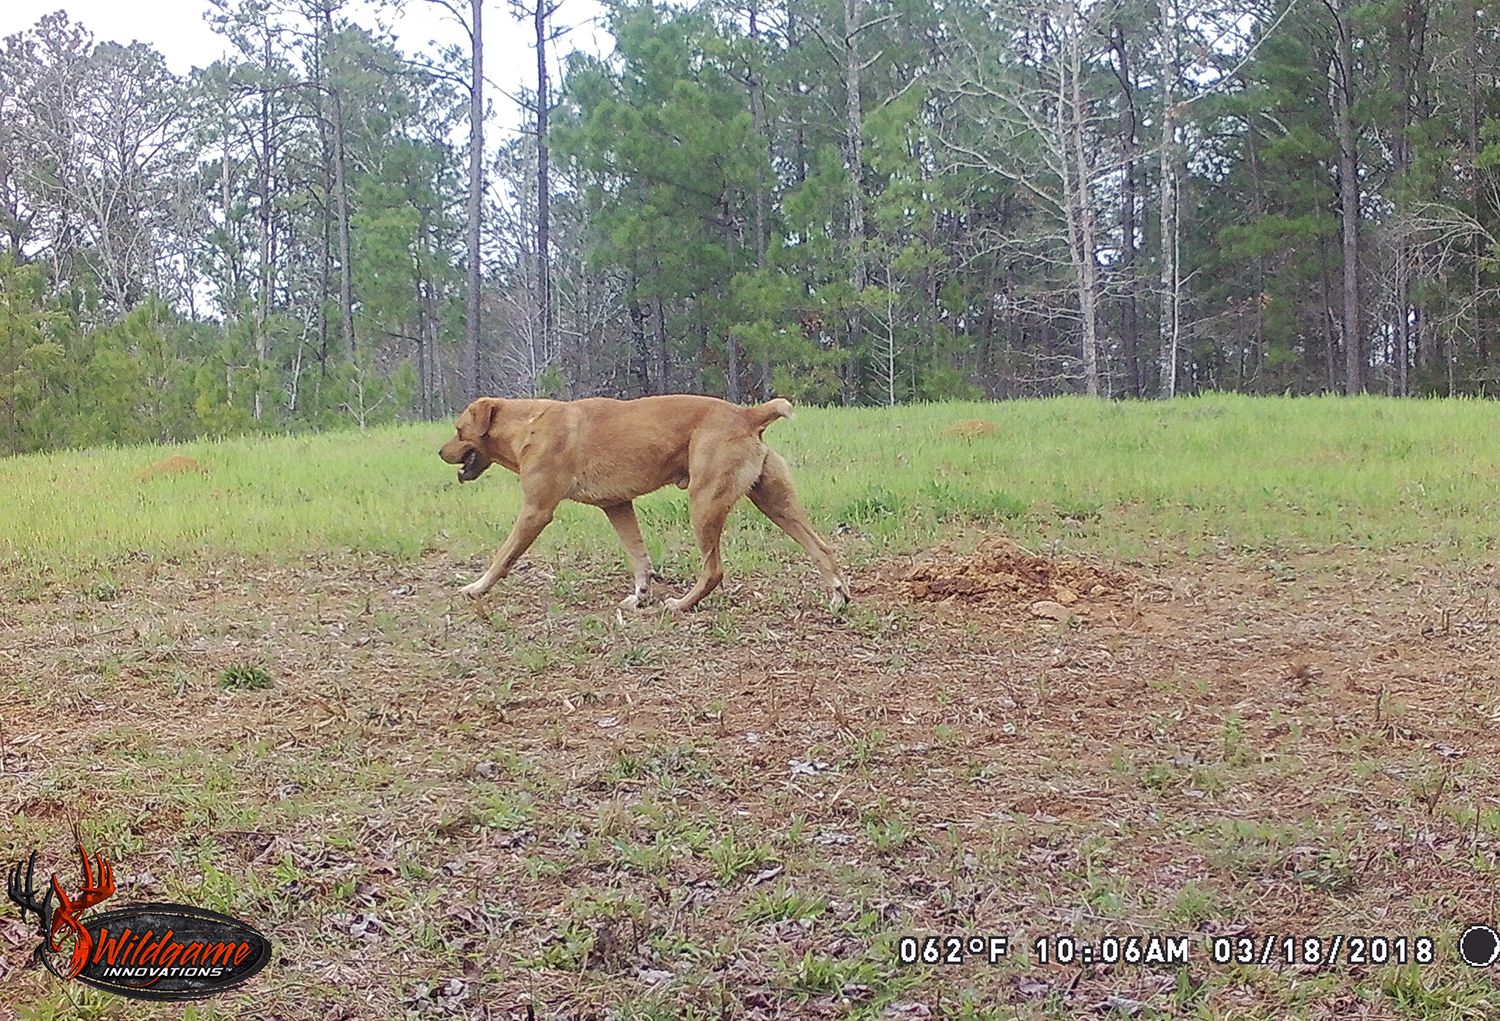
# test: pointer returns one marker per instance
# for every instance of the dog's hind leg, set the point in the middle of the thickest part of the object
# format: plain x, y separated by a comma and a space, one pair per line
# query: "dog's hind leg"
529, 524
708, 504
622, 516
777, 499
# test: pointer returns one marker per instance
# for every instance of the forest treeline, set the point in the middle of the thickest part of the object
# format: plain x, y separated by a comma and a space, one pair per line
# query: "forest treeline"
841, 201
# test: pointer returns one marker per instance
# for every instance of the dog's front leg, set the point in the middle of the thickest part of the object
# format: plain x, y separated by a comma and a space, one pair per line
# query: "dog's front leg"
529, 524
622, 516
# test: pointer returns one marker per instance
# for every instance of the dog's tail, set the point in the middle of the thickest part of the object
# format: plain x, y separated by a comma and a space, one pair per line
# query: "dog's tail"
765, 414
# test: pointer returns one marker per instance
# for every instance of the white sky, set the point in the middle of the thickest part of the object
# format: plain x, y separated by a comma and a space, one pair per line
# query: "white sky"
177, 30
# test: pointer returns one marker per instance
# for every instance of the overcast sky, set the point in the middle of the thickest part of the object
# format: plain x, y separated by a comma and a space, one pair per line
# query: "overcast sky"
177, 30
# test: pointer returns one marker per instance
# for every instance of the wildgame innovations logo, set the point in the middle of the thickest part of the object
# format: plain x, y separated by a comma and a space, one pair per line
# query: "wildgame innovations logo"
147, 951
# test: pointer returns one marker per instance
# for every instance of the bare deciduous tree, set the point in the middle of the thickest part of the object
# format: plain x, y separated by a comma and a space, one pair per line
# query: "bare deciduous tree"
1032, 80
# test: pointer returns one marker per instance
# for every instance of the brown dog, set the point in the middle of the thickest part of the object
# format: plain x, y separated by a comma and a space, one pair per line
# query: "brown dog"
606, 453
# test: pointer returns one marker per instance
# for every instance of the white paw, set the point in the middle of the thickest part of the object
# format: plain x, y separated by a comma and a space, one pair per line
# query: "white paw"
475, 589
630, 602
675, 604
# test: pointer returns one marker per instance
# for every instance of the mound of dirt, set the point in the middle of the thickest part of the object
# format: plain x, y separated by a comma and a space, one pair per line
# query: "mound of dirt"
177, 464
1000, 574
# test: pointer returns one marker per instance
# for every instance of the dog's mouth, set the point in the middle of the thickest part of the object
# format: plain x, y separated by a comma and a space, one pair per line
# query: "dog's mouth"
471, 467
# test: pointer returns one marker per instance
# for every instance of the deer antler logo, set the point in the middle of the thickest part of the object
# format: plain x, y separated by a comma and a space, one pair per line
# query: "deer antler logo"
67, 916
153, 951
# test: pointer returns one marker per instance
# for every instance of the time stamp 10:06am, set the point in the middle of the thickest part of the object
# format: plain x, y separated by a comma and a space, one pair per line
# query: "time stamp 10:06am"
1478, 947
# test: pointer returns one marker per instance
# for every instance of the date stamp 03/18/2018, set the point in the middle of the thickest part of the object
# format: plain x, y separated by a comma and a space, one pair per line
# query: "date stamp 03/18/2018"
1478, 947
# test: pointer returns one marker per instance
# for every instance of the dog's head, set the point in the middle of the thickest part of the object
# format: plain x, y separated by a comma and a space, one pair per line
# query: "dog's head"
467, 448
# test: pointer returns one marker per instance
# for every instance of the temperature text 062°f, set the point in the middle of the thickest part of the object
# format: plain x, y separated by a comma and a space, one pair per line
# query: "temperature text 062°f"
951, 949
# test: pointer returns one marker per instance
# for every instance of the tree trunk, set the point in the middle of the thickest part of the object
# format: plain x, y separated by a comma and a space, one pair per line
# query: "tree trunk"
1129, 323
1258, 356
762, 198
12, 343
1081, 207
543, 191
325, 262
1171, 298
341, 190
1474, 115
1330, 336
642, 348
799, 145
263, 215
1343, 103
659, 347
734, 388
341, 195
226, 200
476, 195
1400, 329
429, 315
854, 157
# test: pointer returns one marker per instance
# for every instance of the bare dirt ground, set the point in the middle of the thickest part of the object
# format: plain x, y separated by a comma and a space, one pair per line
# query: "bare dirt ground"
537, 805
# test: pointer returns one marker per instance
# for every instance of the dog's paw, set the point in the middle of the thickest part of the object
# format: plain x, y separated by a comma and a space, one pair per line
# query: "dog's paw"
839, 600
676, 605
630, 602
475, 589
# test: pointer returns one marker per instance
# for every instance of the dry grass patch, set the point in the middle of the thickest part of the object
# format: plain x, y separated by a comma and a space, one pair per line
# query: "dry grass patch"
971, 429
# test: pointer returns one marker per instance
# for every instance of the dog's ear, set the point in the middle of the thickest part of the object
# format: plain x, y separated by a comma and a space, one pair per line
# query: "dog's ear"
482, 413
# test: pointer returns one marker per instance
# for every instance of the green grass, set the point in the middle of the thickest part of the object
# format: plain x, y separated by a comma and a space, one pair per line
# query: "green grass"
244, 677
1123, 478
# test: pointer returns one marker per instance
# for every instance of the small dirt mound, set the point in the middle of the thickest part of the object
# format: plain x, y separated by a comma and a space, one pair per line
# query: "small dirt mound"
970, 429
177, 464
1001, 574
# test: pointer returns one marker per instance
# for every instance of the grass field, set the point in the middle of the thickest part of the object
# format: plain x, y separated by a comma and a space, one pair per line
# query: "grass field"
1202, 672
